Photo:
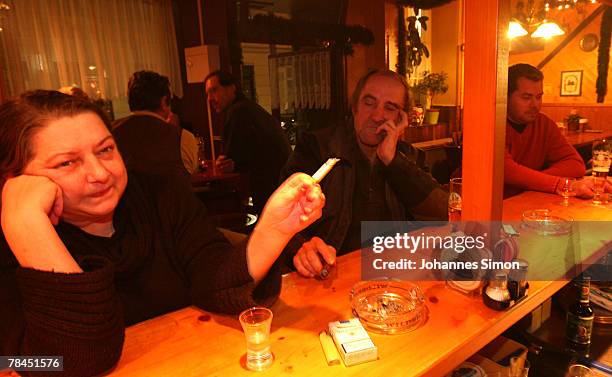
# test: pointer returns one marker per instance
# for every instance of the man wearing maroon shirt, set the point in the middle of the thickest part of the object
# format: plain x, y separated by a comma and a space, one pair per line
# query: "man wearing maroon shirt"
537, 154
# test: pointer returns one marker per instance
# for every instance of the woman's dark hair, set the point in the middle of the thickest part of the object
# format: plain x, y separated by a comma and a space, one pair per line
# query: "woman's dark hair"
380, 72
146, 89
21, 118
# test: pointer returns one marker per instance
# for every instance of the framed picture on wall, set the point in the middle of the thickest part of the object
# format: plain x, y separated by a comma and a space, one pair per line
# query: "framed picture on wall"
571, 83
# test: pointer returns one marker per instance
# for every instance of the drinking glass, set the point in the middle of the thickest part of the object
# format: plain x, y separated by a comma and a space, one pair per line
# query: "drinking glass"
256, 323
602, 152
566, 188
579, 370
202, 163
454, 200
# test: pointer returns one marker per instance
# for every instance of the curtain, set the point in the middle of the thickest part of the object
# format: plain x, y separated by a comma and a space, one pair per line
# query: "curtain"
300, 80
93, 44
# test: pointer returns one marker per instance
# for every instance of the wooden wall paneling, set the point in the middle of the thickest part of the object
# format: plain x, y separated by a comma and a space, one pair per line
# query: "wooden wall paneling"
599, 115
3, 95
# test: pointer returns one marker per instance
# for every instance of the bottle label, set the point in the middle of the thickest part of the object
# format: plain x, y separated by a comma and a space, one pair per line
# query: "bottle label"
584, 293
579, 328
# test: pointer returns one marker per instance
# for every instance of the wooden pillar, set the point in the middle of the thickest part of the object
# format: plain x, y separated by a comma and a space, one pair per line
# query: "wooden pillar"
3, 94
486, 65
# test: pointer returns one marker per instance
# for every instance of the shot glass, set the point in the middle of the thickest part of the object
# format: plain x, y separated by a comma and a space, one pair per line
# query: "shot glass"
256, 323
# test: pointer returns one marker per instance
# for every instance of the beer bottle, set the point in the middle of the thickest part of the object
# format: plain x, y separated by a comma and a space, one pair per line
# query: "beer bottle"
580, 318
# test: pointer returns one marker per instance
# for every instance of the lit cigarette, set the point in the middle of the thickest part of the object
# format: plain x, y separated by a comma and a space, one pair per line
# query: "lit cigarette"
324, 169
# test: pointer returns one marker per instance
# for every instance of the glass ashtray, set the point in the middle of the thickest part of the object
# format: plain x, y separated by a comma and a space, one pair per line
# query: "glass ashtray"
545, 223
389, 307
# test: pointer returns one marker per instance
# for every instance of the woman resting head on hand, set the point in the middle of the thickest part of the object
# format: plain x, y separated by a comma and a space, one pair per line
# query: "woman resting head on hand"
77, 230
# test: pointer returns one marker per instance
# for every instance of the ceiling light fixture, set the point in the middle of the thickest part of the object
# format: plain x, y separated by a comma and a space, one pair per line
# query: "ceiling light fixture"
547, 30
515, 30
531, 18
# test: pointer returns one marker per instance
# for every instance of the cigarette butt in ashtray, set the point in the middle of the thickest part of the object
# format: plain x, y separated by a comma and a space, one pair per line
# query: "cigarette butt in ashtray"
329, 349
324, 169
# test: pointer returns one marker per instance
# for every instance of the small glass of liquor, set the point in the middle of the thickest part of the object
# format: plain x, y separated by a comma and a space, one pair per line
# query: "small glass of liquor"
566, 188
256, 323
602, 156
579, 325
454, 200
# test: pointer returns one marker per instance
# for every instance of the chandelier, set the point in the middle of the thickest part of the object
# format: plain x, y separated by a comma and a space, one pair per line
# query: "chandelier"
531, 19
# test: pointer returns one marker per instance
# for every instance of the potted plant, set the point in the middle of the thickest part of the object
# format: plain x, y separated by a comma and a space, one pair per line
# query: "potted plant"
573, 122
411, 48
432, 83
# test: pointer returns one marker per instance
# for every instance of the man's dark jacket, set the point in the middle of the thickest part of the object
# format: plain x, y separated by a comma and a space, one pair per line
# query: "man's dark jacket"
258, 146
410, 192
150, 145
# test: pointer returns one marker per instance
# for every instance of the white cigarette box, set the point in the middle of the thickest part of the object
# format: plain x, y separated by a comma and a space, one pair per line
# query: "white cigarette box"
353, 342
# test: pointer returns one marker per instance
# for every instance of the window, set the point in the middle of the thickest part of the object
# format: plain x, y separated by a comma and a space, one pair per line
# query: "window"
93, 44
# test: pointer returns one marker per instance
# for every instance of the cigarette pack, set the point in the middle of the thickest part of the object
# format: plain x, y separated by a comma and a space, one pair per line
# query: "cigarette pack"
353, 342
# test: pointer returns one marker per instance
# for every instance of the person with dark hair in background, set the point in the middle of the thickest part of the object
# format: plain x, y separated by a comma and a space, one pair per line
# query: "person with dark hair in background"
254, 142
537, 154
87, 249
148, 138
374, 180
72, 90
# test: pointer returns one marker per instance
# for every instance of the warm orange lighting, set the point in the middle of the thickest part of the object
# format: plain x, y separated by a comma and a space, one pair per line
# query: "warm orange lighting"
515, 29
547, 30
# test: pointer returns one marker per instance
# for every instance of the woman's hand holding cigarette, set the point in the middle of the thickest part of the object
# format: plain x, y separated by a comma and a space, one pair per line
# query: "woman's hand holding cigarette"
296, 204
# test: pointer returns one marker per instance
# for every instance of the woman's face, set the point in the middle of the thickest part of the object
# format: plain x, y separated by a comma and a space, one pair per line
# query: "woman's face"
80, 155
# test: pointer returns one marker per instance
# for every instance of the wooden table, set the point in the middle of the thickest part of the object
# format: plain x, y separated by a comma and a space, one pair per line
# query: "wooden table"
189, 342
592, 231
184, 343
179, 344
579, 139
212, 175
579, 209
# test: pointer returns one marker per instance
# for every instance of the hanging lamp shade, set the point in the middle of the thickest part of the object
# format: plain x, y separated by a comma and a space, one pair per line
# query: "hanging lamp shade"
547, 30
515, 29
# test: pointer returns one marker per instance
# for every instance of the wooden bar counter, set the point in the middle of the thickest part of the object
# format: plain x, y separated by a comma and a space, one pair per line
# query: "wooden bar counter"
191, 342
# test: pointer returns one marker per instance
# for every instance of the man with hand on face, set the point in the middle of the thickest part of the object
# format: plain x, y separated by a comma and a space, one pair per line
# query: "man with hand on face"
374, 179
